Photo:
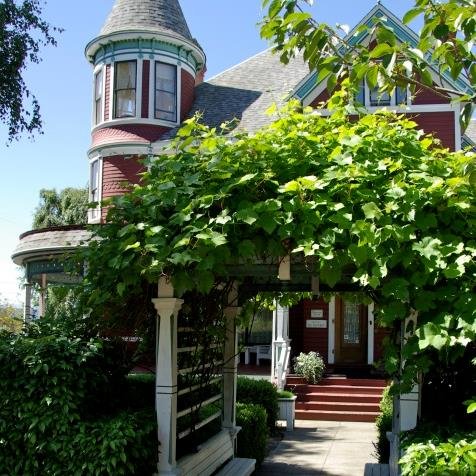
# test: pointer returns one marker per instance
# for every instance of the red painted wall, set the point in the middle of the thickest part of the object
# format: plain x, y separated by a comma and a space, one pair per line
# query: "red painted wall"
145, 88
107, 94
188, 94
441, 124
116, 170
135, 133
426, 96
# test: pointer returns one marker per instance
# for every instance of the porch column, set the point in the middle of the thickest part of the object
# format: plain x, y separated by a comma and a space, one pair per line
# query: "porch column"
43, 292
281, 345
27, 305
230, 362
167, 308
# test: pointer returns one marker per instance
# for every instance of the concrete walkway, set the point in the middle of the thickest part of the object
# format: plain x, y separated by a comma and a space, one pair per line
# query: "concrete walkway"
327, 448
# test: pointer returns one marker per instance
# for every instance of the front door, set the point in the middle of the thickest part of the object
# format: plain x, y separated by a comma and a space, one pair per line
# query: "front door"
351, 332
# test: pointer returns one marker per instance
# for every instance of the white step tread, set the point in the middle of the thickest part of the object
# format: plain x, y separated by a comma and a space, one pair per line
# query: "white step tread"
238, 467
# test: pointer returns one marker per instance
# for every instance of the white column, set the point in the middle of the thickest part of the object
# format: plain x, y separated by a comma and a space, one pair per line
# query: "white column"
370, 334
27, 304
281, 345
230, 365
166, 376
331, 334
43, 292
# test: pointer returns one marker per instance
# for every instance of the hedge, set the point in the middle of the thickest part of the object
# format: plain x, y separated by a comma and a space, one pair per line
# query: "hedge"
253, 437
260, 392
383, 423
64, 410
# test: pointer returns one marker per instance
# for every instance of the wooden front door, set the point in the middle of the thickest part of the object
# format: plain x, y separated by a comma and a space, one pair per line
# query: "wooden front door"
351, 332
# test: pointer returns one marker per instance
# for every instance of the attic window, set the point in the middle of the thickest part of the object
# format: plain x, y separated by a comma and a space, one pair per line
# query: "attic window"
125, 82
165, 92
374, 98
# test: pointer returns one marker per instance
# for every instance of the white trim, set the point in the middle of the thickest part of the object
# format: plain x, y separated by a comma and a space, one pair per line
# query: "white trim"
413, 109
370, 334
112, 75
331, 335
98, 209
140, 65
458, 134
152, 90
178, 94
135, 120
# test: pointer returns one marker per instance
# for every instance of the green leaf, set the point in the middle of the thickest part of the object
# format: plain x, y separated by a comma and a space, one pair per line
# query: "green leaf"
382, 49
411, 14
371, 211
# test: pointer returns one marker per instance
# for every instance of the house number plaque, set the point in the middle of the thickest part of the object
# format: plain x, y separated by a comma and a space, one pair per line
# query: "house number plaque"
318, 324
317, 313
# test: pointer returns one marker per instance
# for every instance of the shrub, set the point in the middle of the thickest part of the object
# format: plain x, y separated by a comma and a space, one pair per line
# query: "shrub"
253, 437
309, 366
384, 424
285, 394
440, 456
260, 392
61, 410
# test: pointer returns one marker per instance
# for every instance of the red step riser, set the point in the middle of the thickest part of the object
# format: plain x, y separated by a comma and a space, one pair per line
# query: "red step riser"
340, 381
330, 397
338, 407
316, 415
335, 389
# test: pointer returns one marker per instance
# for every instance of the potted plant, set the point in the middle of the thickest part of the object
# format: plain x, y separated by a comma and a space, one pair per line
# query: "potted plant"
287, 408
310, 366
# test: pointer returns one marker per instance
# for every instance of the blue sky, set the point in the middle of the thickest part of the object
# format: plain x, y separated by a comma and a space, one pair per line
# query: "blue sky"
227, 31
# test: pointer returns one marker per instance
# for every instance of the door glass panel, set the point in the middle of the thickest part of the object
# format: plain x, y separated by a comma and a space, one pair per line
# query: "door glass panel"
351, 323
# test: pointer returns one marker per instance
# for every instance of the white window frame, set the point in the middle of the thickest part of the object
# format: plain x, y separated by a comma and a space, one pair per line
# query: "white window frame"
138, 91
94, 214
99, 100
154, 91
393, 99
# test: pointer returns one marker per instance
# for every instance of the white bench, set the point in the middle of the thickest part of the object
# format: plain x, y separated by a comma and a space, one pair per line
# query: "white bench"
263, 352
238, 467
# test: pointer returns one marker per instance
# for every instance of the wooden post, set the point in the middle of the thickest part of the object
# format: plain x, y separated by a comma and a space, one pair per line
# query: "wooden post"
167, 308
230, 359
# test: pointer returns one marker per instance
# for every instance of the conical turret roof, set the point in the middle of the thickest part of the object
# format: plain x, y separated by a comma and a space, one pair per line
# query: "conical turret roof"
161, 16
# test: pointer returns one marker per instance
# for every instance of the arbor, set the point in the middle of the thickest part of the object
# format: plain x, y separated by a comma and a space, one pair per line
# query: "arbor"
67, 207
370, 206
23, 33
445, 40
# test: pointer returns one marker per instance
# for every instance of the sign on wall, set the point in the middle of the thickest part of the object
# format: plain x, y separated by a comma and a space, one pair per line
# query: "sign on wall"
318, 324
317, 313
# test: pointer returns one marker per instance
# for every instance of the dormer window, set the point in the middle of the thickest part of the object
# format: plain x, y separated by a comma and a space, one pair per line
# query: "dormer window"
98, 87
125, 84
372, 97
165, 92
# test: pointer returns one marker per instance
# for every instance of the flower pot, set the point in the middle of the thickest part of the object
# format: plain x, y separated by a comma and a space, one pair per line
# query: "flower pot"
287, 411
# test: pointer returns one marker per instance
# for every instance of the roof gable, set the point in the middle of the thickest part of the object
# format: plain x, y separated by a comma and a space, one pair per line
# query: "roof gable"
403, 33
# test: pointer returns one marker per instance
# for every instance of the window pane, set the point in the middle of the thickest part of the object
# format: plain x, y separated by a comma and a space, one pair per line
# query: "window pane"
126, 103
401, 96
94, 175
165, 92
126, 75
379, 99
98, 107
165, 77
351, 323
98, 85
360, 96
165, 101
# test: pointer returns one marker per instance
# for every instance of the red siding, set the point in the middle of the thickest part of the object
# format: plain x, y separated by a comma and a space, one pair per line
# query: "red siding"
107, 95
116, 171
427, 96
315, 339
188, 94
135, 133
323, 97
145, 88
441, 124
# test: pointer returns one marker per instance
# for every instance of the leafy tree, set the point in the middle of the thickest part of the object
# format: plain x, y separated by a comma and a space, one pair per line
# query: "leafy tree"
445, 40
67, 207
23, 33
369, 205
10, 317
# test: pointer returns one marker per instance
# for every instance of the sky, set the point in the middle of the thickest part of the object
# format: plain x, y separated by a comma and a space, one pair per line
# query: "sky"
62, 82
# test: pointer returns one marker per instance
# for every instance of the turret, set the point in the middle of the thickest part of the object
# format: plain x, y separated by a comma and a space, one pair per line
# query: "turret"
145, 66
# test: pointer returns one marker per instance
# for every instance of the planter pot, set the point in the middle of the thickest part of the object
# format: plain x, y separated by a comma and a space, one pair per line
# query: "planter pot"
287, 411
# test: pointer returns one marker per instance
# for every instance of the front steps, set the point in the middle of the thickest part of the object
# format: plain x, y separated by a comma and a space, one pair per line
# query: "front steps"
337, 398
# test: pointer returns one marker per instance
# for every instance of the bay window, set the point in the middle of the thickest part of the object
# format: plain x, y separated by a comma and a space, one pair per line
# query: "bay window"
125, 85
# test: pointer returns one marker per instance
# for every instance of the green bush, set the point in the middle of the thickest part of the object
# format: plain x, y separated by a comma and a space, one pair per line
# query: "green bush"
310, 366
285, 394
384, 424
261, 392
440, 456
253, 437
62, 410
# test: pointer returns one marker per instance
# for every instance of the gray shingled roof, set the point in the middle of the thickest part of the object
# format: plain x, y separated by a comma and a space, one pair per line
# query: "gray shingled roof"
162, 16
245, 91
471, 130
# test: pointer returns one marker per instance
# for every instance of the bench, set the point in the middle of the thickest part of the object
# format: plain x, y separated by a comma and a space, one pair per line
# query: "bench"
263, 352
238, 467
